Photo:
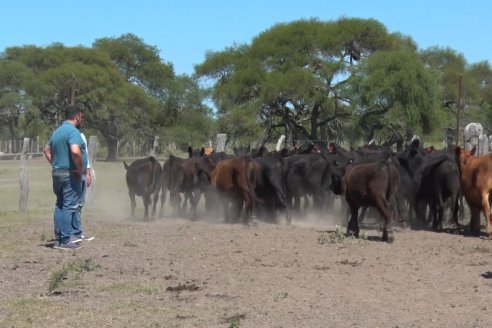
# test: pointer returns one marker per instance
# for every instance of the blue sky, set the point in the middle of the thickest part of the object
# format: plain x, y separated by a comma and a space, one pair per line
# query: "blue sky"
183, 30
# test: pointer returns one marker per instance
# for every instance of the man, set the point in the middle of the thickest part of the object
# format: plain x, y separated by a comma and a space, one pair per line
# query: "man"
86, 183
67, 154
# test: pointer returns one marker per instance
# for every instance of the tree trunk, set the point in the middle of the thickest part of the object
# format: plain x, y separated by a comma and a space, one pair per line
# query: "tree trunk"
13, 135
112, 150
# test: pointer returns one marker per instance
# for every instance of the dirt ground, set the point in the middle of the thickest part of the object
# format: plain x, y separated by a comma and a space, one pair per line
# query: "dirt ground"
175, 273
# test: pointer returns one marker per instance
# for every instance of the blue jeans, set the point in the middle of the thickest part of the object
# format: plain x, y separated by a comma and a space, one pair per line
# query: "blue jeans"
68, 190
77, 218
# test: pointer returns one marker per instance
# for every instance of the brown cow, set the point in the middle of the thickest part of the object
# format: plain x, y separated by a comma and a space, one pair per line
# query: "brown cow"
476, 185
235, 178
370, 184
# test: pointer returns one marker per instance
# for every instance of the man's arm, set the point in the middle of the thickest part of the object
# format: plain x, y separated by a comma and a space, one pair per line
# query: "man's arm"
77, 159
47, 153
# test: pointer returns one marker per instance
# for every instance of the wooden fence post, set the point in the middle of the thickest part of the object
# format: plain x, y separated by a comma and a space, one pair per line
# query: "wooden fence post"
24, 179
90, 193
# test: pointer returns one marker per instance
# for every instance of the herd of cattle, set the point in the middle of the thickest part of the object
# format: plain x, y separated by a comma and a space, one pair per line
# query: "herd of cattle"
414, 186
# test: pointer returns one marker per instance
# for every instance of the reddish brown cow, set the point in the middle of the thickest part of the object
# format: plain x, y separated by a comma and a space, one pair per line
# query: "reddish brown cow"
476, 185
235, 178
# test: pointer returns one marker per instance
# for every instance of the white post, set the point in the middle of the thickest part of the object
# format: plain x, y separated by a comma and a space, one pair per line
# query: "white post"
90, 193
280, 143
155, 142
221, 140
24, 179
37, 144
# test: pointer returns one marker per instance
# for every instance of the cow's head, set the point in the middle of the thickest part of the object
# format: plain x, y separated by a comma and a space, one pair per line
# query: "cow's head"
463, 155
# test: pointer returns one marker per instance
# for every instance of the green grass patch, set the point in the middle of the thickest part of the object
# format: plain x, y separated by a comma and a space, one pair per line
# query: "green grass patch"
339, 237
26, 312
69, 275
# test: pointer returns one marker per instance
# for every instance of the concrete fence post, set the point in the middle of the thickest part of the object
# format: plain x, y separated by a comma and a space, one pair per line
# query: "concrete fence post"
90, 195
221, 141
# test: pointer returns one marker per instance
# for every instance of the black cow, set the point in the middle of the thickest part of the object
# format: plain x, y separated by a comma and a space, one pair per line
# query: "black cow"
437, 182
309, 174
270, 186
143, 178
434, 183
170, 169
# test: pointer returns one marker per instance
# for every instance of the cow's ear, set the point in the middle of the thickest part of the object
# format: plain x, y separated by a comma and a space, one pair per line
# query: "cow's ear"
473, 150
202, 151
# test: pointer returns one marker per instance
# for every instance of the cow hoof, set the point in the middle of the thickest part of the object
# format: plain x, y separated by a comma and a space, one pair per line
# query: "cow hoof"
388, 237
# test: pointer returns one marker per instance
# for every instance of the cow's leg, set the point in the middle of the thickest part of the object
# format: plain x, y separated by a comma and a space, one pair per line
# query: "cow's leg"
438, 217
362, 215
283, 201
384, 209
353, 224
305, 210
175, 200
194, 200
133, 203
486, 212
146, 201
456, 208
183, 208
236, 209
296, 204
155, 201
475, 219
163, 201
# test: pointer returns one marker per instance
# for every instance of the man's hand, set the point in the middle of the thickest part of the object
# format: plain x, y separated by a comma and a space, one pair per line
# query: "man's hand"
88, 178
47, 153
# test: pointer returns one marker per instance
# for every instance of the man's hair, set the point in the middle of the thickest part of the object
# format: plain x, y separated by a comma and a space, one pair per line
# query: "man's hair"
72, 111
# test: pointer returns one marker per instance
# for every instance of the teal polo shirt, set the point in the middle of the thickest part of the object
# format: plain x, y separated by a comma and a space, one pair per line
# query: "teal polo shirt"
60, 141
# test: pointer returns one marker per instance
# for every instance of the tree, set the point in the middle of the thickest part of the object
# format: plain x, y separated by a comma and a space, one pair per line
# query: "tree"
139, 62
112, 105
296, 74
14, 101
396, 96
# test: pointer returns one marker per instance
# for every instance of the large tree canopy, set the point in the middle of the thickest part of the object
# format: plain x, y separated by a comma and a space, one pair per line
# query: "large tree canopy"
297, 74
124, 88
308, 79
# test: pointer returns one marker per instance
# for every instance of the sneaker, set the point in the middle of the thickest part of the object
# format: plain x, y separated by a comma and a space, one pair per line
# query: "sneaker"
87, 238
68, 246
75, 239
